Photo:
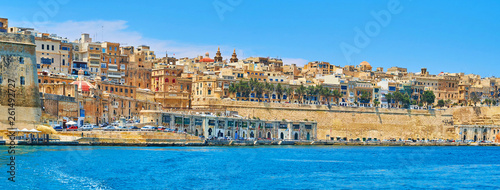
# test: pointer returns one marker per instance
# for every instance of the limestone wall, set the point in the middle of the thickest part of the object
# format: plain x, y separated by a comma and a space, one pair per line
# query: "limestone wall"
477, 115
352, 122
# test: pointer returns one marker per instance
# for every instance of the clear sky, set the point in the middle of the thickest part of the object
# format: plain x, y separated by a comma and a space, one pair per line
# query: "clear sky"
446, 35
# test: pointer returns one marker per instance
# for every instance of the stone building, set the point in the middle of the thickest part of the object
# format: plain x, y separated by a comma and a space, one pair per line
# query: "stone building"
18, 72
232, 127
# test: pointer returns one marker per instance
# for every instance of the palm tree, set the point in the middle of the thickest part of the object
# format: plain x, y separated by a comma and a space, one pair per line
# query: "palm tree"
301, 90
287, 92
279, 91
326, 93
336, 95
310, 91
389, 98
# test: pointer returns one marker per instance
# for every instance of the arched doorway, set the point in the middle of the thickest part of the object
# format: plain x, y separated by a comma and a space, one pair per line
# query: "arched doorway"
475, 138
235, 134
260, 134
282, 136
308, 136
251, 134
196, 132
296, 136
269, 135
465, 137
210, 132
228, 133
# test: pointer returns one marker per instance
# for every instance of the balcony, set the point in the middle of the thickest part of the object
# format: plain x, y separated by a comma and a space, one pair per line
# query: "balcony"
112, 67
114, 75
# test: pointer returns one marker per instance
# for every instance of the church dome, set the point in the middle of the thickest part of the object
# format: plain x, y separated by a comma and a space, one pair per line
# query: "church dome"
364, 63
207, 59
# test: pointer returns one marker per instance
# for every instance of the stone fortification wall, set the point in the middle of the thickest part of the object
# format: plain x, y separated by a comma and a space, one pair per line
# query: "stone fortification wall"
351, 122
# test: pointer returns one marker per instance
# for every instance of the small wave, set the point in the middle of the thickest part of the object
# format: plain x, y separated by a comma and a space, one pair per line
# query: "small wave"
76, 181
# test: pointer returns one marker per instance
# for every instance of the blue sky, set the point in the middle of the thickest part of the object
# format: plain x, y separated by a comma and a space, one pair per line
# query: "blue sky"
450, 36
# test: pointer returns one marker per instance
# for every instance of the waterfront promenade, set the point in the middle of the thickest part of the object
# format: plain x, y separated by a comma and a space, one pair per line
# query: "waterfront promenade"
179, 142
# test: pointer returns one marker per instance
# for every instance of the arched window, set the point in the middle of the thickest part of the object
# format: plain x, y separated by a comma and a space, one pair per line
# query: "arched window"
64, 62
166, 80
173, 80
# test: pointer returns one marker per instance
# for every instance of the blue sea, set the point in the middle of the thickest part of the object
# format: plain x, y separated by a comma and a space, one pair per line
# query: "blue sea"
261, 167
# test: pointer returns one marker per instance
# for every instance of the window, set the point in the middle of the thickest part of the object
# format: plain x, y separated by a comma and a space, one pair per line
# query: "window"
110, 49
43, 46
64, 62
121, 90
115, 48
126, 90
106, 88
103, 65
22, 81
109, 60
52, 47
1, 79
21, 60
131, 91
103, 50
91, 48
115, 61
166, 80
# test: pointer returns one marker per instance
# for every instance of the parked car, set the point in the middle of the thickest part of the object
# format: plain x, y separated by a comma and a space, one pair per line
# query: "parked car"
73, 127
148, 128
109, 127
58, 127
161, 128
133, 127
87, 127
121, 127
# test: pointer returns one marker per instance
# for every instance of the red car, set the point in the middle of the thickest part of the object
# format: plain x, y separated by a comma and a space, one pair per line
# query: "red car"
72, 128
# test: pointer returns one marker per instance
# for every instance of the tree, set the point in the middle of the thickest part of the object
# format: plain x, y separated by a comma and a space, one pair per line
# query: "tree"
428, 97
287, 92
301, 90
389, 98
376, 103
447, 103
365, 97
310, 91
279, 91
326, 93
398, 97
474, 98
336, 95
440, 103
487, 102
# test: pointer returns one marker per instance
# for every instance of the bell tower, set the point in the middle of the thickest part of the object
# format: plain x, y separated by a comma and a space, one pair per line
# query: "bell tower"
233, 57
218, 56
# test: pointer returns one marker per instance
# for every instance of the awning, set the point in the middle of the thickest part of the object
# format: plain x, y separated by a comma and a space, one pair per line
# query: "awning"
34, 131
